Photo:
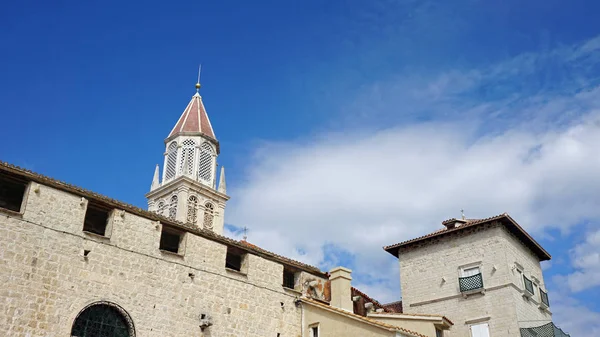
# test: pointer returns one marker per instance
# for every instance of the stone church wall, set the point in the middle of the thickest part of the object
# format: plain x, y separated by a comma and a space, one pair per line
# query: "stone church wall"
46, 279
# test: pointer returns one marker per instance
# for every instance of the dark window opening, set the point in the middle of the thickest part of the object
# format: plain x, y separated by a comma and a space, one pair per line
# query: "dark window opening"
95, 220
12, 191
289, 278
101, 320
170, 240
439, 333
315, 331
234, 258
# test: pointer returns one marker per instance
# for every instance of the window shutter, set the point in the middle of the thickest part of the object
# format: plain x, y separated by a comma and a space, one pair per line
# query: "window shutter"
480, 330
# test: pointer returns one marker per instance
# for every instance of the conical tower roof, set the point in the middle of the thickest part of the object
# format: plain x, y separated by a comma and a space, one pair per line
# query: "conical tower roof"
194, 120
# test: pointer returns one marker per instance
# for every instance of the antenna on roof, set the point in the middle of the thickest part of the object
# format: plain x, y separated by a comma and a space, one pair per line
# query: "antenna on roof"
198, 82
462, 214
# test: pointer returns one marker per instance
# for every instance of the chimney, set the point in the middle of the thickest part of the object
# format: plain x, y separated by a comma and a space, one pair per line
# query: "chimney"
452, 223
341, 294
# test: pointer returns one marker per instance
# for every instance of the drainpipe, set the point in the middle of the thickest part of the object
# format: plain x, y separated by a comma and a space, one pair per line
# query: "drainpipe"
302, 320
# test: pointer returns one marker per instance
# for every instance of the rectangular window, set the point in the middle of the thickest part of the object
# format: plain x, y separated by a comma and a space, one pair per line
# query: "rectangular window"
96, 219
289, 277
471, 279
439, 333
314, 331
235, 259
12, 191
171, 240
471, 271
528, 285
480, 330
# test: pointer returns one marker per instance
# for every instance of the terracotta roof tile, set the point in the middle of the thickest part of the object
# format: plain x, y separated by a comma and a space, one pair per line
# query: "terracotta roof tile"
194, 119
41, 179
509, 222
362, 318
394, 307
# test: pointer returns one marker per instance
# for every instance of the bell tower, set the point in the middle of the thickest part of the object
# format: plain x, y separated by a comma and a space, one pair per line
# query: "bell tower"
188, 191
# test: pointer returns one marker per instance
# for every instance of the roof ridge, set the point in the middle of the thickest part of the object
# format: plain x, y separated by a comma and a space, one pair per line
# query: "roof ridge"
542, 253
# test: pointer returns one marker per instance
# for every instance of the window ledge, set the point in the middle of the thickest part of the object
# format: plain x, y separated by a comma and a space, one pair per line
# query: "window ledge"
11, 212
544, 308
95, 235
466, 294
292, 290
527, 294
167, 252
229, 270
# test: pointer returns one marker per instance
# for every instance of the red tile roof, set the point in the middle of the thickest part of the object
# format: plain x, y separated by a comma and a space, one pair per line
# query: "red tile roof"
359, 306
371, 321
194, 119
503, 218
395, 307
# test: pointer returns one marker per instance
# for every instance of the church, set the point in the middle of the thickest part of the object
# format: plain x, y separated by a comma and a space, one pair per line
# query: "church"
77, 263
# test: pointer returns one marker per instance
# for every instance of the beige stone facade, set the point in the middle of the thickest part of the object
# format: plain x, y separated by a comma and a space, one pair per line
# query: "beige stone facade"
430, 271
51, 269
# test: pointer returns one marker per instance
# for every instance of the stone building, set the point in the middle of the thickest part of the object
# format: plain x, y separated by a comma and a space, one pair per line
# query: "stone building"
76, 263
484, 274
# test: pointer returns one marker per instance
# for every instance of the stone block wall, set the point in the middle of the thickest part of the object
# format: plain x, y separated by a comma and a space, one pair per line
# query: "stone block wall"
46, 280
519, 257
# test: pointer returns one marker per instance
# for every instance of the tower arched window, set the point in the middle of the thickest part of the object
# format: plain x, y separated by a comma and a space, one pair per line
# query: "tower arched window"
171, 166
209, 215
192, 216
206, 162
188, 150
173, 207
161, 207
103, 319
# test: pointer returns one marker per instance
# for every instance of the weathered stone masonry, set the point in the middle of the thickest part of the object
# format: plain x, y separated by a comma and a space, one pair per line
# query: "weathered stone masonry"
47, 280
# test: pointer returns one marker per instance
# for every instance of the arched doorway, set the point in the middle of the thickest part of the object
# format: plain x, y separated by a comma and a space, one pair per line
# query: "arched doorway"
103, 319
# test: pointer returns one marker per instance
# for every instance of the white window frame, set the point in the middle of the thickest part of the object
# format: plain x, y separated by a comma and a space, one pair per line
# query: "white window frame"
461, 269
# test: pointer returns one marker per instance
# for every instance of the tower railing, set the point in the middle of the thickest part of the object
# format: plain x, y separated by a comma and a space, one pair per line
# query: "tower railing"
469, 283
546, 330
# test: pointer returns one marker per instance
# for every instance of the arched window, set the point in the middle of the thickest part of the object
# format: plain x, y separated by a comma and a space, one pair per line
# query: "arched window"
173, 207
161, 207
209, 214
192, 216
186, 165
171, 161
205, 162
103, 319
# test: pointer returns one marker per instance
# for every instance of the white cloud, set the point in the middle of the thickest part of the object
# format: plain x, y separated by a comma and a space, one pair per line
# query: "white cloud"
585, 259
367, 187
575, 318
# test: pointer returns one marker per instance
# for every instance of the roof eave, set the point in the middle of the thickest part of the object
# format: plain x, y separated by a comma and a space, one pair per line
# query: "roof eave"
541, 253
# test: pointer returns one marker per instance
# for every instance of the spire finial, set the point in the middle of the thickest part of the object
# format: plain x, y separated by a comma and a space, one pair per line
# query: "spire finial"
462, 214
245, 233
198, 82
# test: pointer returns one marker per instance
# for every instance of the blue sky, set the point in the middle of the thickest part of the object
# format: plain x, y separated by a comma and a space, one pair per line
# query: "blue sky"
363, 123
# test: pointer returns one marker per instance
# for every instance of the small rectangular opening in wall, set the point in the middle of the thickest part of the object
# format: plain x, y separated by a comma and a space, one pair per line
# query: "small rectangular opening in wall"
96, 219
289, 277
314, 331
171, 240
235, 259
12, 191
